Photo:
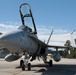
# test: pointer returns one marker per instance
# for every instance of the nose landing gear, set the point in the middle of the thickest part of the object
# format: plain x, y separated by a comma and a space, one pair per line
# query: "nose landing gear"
28, 66
24, 63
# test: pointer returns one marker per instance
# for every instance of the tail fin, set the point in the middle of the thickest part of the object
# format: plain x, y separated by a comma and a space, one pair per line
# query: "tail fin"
50, 36
73, 38
73, 41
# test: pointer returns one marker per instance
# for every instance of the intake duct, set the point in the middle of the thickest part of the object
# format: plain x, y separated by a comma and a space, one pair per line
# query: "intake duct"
42, 51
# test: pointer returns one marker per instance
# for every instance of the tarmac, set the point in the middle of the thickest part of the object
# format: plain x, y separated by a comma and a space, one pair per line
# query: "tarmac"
64, 67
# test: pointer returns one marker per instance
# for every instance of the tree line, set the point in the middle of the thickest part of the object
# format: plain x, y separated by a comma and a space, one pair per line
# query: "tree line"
68, 53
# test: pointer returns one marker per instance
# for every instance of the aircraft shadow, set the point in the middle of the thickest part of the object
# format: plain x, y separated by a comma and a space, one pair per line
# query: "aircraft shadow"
57, 69
60, 70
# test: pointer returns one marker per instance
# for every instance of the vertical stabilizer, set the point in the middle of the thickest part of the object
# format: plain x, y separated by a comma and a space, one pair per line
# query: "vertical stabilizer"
50, 36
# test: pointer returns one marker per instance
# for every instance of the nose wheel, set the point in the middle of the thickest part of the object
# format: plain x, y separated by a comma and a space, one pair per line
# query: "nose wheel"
25, 63
24, 66
29, 66
21, 62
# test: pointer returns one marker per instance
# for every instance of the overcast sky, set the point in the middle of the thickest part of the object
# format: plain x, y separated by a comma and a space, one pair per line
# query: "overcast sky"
59, 15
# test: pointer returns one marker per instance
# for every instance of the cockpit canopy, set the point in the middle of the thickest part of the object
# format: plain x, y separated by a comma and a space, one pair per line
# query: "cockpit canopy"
27, 17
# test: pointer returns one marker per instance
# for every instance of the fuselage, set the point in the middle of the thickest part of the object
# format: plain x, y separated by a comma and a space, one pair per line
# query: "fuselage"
18, 41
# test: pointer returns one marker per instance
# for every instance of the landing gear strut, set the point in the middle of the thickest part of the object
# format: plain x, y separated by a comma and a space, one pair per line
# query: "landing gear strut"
50, 62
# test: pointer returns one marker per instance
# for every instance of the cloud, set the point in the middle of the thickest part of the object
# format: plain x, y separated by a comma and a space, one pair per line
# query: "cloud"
5, 28
59, 36
56, 39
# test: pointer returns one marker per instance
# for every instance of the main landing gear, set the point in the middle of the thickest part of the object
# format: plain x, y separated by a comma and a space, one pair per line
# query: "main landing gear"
24, 63
50, 63
45, 61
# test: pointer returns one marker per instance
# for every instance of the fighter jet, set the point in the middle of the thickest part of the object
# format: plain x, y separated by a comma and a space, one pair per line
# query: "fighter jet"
24, 41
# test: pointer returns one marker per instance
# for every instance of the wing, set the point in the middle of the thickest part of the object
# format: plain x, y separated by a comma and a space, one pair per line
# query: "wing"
55, 46
43, 44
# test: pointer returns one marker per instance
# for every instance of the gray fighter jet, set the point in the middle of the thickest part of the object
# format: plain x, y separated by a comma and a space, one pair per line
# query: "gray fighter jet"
24, 41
